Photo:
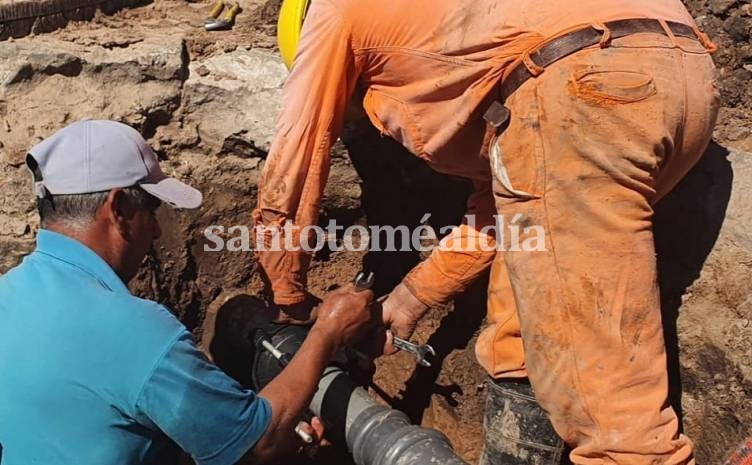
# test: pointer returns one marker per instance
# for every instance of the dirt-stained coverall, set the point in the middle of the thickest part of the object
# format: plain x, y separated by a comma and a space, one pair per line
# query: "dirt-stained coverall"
593, 142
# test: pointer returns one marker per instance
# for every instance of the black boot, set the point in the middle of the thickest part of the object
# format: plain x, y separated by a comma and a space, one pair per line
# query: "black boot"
518, 431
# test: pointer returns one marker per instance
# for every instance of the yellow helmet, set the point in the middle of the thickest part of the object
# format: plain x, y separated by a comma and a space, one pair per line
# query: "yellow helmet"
291, 16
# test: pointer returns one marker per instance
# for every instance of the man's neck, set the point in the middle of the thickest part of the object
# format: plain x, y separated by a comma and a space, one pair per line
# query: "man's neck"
95, 240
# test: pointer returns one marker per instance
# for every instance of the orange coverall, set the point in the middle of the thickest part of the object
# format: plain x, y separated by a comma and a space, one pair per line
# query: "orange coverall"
593, 143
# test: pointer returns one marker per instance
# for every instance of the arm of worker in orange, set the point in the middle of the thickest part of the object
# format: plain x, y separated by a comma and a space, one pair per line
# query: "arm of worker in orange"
463, 256
314, 100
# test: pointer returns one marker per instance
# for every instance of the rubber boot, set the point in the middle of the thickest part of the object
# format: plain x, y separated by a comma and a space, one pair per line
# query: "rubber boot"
517, 430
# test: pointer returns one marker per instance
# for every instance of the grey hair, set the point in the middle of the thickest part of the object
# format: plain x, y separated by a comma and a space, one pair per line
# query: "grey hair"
77, 211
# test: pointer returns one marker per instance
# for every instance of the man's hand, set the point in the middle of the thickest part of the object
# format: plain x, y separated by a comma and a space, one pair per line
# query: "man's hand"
343, 314
313, 431
401, 311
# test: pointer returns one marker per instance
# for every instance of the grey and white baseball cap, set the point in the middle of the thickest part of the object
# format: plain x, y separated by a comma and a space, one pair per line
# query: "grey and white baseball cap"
98, 155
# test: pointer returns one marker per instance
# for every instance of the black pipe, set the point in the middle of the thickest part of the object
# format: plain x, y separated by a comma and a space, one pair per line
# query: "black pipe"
375, 434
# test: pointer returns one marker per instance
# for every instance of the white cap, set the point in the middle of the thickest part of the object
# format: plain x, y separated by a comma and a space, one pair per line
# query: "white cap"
98, 155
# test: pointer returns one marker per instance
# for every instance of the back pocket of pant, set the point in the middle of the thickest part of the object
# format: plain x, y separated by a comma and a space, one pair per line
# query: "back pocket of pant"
601, 86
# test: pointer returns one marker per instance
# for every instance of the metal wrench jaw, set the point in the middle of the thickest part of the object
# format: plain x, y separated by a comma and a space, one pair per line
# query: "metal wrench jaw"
363, 281
423, 361
420, 351
421, 356
424, 350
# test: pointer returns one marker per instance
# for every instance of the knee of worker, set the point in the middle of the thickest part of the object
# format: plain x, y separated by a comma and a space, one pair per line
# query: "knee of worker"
500, 352
502, 306
499, 348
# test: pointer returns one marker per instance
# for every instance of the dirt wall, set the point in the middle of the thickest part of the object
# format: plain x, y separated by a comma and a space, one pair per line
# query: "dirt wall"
729, 24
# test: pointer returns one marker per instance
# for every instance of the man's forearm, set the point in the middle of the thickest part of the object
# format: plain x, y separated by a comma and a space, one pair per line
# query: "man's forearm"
447, 272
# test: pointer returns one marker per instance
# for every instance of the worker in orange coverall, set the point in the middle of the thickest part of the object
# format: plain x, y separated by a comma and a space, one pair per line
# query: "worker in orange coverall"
576, 115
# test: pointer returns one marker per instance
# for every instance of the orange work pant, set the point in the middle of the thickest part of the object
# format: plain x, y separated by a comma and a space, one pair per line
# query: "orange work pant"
593, 143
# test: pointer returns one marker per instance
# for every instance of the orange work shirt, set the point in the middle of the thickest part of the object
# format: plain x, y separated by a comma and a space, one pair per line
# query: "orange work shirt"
428, 68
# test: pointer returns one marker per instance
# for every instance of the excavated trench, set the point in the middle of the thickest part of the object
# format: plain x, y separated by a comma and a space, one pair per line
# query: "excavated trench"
206, 101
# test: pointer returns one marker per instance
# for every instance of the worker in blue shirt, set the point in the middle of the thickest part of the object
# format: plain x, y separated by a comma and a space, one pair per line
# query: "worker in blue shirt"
92, 375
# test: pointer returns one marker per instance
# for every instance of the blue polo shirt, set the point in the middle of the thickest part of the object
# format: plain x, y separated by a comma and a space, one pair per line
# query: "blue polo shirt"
91, 375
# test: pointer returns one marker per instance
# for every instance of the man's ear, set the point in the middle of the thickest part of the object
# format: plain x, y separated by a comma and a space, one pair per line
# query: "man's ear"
118, 210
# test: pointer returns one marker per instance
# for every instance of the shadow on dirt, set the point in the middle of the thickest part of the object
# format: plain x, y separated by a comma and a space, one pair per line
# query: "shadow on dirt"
454, 333
400, 189
686, 226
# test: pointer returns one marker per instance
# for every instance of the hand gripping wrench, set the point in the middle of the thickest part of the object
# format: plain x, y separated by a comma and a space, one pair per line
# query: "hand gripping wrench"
365, 281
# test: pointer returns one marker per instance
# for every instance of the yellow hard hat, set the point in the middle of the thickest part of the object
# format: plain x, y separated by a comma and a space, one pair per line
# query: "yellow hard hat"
291, 16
